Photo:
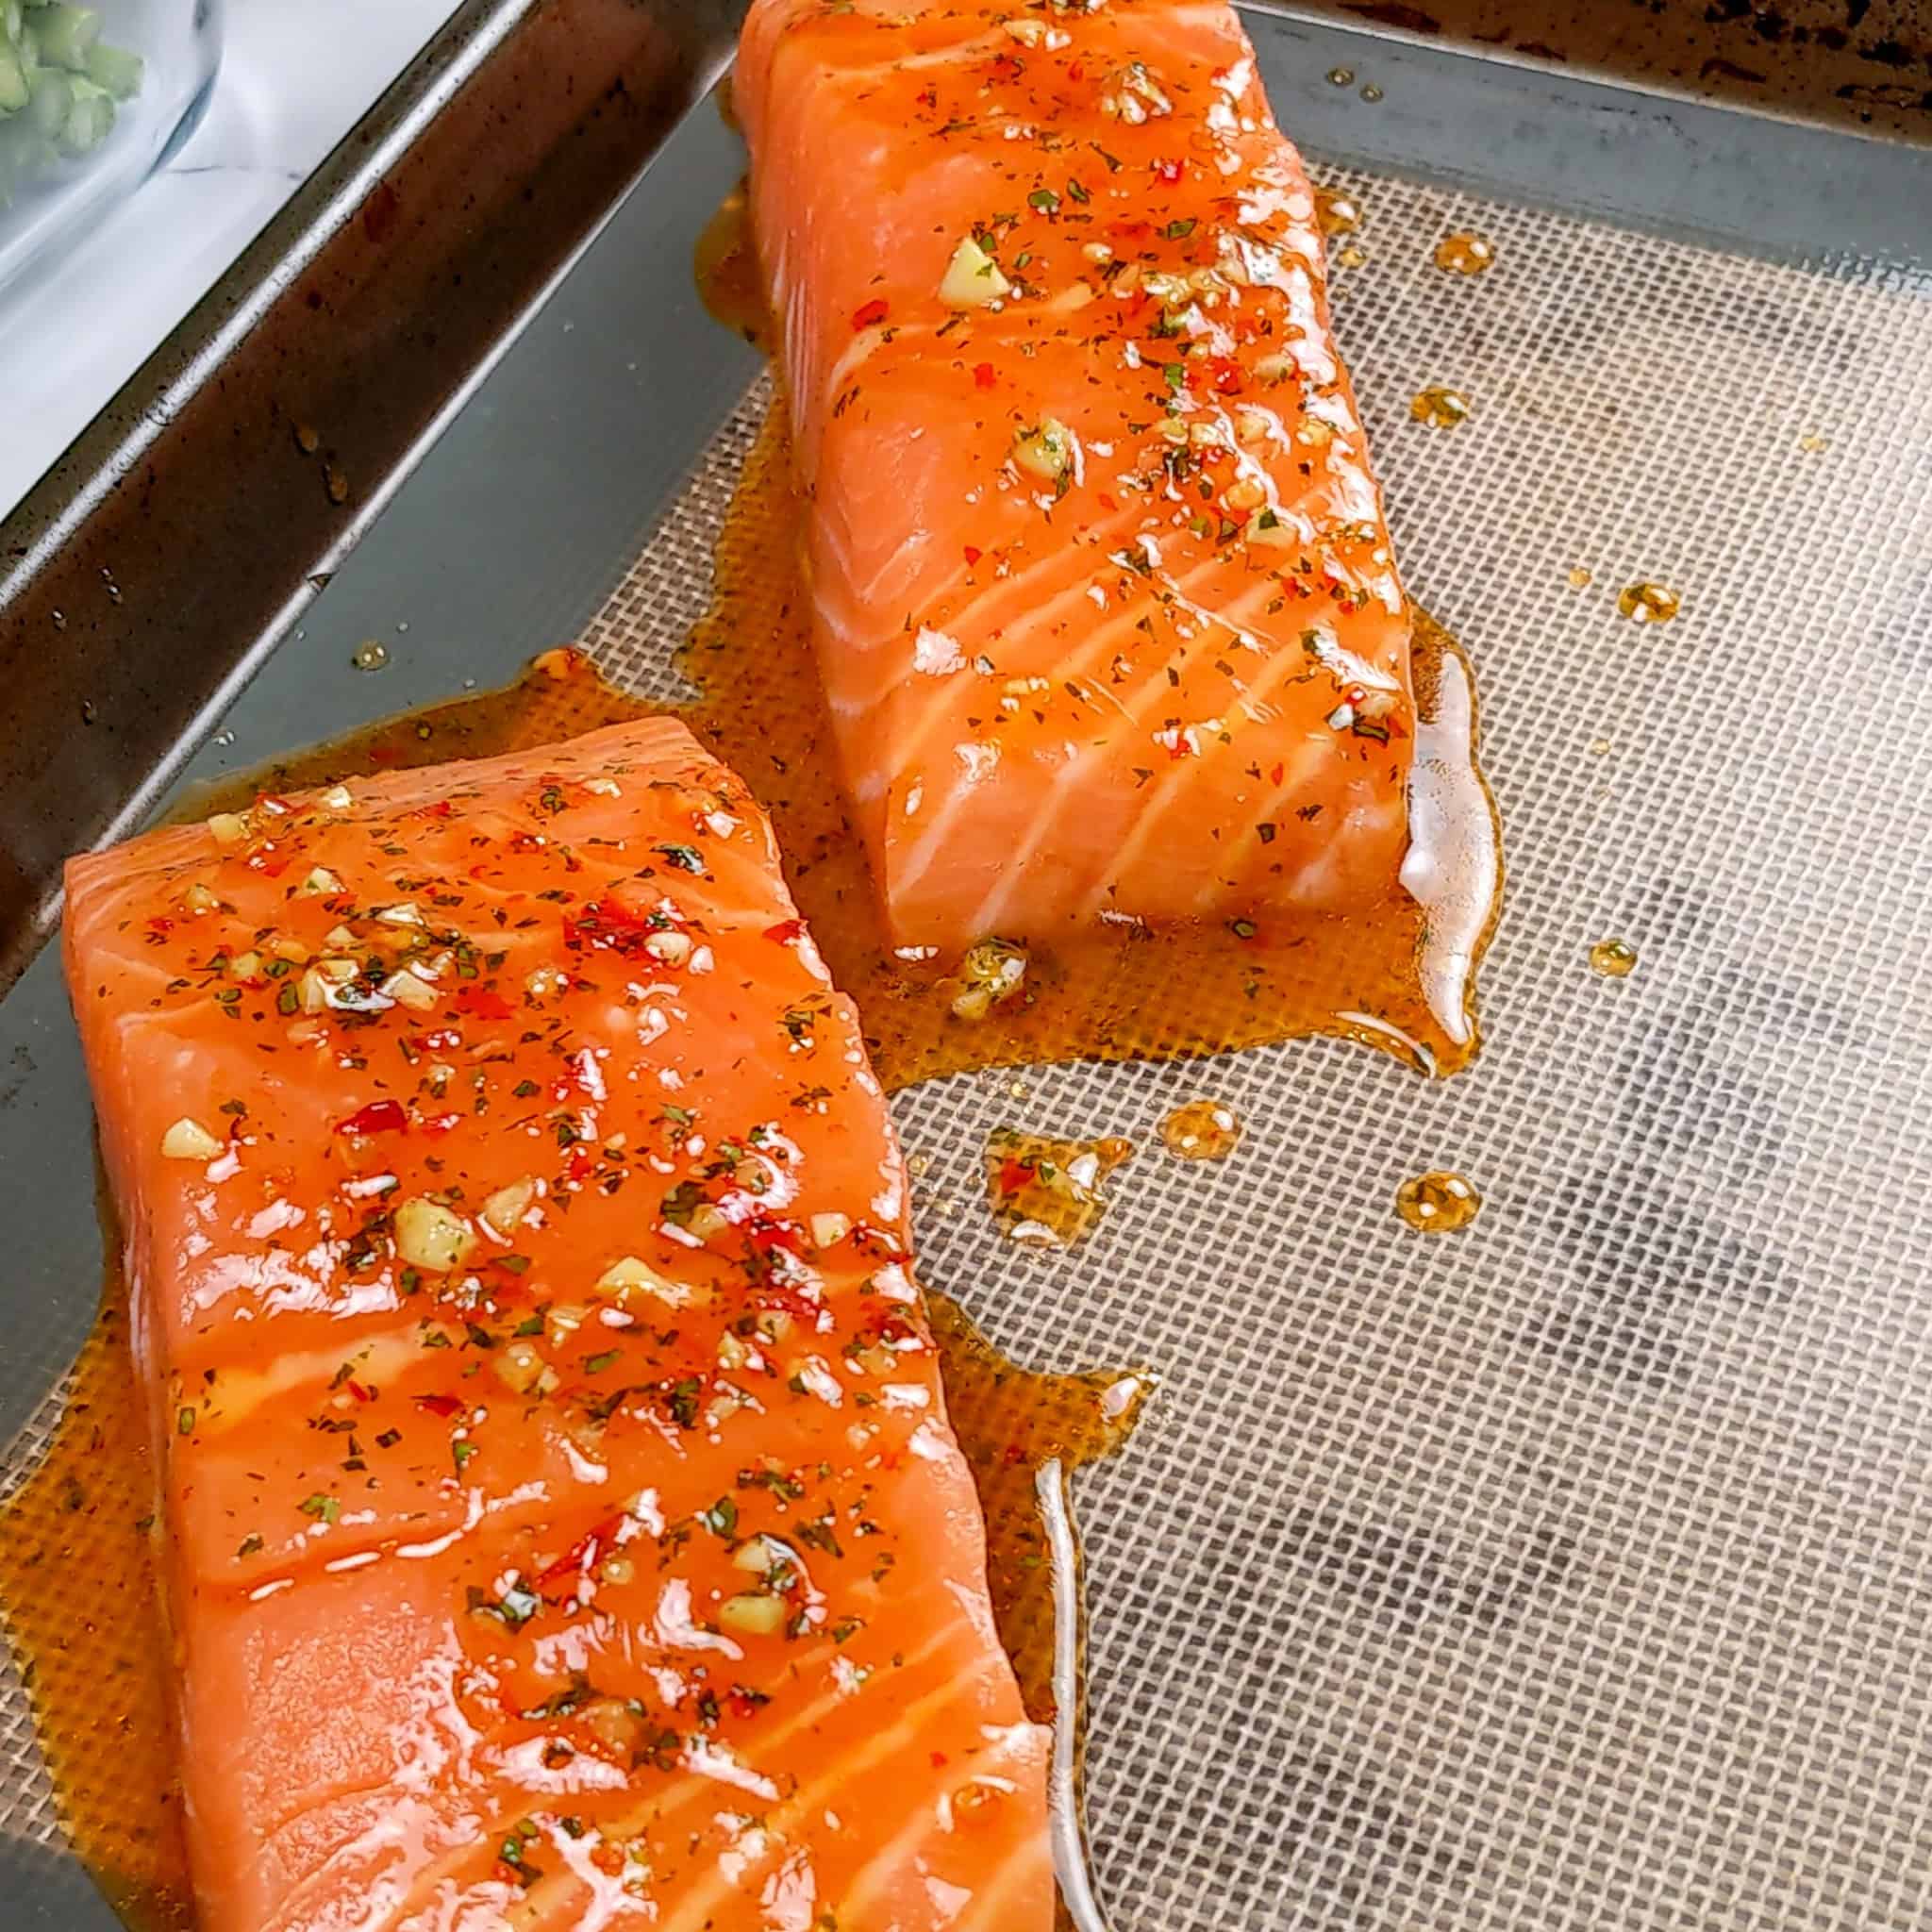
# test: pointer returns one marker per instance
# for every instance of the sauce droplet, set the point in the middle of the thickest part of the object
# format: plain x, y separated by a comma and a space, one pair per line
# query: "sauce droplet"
1599, 747
371, 654
1437, 1202
1202, 1130
1341, 76
1465, 253
1648, 603
1439, 408
1336, 213
1372, 93
1350, 255
1813, 444
1613, 958
1045, 1193
1580, 579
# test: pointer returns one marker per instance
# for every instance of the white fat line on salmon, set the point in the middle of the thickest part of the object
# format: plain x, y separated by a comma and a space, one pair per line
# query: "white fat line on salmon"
1060, 795
1275, 670
989, 1902
854, 1902
1081, 671
1007, 595
696, 1910
1155, 803
667, 1805
977, 618
691, 1790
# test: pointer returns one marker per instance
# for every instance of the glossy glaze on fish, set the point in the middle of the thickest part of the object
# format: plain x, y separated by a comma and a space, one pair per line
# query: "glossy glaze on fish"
1104, 600
562, 1525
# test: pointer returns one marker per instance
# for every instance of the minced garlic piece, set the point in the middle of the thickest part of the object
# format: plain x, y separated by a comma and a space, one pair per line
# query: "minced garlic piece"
188, 1139
429, 1235
973, 277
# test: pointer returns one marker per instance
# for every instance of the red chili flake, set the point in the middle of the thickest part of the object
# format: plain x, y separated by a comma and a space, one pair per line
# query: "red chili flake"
1107, 501
743, 1706
785, 931
869, 314
610, 922
479, 1003
385, 755
359, 1391
1015, 1456
984, 375
1355, 694
1076, 71
1015, 1174
159, 925
1170, 171
929, 97
440, 1405
378, 1117
1275, 776
1004, 67
971, 554
578, 1162
938, 1760
439, 1122
582, 1552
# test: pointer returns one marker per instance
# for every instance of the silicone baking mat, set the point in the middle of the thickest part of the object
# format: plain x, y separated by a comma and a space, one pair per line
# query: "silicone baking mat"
1573, 1571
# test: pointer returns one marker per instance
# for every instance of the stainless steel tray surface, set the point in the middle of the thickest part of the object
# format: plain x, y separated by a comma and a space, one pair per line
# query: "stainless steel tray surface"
1571, 1571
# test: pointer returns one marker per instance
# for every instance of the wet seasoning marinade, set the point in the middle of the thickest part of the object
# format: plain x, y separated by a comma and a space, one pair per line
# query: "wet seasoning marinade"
1102, 600
526, 1319
79, 1605
74, 1558
1396, 972
81, 1609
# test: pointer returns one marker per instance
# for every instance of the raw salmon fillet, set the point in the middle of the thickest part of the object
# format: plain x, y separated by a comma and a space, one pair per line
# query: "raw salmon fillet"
564, 1525
1104, 602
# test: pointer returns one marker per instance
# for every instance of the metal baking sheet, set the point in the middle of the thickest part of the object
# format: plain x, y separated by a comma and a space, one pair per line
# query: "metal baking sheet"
1571, 1571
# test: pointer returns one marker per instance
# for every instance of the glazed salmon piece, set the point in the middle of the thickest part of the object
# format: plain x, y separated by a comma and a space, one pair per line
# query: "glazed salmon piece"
1103, 600
564, 1526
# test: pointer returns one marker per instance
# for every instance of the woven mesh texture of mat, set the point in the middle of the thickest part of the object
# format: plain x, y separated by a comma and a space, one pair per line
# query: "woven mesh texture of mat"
1571, 1572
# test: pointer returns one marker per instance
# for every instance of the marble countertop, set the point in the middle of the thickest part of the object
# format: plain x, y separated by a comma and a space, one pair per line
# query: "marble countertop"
296, 76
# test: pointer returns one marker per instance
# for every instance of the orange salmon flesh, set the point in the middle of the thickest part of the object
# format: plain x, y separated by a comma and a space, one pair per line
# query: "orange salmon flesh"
1103, 600
562, 1524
